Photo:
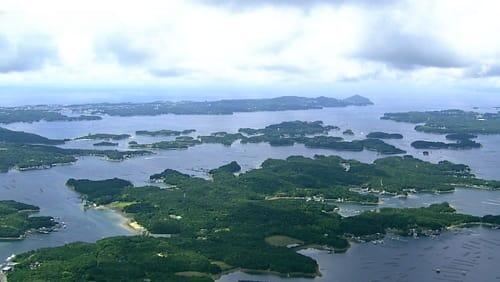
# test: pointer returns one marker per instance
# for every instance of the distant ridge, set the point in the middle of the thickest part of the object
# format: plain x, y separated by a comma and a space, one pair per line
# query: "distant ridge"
84, 112
358, 100
219, 107
20, 137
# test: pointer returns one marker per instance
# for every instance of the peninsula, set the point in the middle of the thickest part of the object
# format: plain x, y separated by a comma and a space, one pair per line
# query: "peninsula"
16, 220
196, 229
450, 121
26, 156
20, 137
34, 114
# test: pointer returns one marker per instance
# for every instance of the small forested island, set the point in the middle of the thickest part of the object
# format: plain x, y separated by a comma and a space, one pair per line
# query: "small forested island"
254, 221
26, 156
219, 107
30, 114
104, 136
450, 121
328, 142
105, 144
460, 136
16, 220
180, 142
311, 134
165, 132
221, 138
461, 144
348, 132
384, 135
20, 137
291, 129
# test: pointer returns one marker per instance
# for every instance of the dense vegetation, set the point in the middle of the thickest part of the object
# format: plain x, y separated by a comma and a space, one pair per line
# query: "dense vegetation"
450, 121
406, 221
460, 136
311, 134
20, 137
104, 136
460, 144
232, 167
348, 132
180, 142
328, 142
384, 135
291, 129
99, 192
15, 219
242, 244
462, 141
113, 259
221, 106
223, 138
25, 156
406, 173
165, 132
225, 222
26, 114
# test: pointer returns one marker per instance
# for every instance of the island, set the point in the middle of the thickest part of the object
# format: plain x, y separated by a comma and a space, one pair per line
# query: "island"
165, 132
92, 112
104, 136
450, 121
312, 134
461, 144
180, 142
16, 221
384, 135
195, 229
219, 107
460, 136
328, 142
348, 132
224, 138
34, 114
25, 151
295, 128
105, 144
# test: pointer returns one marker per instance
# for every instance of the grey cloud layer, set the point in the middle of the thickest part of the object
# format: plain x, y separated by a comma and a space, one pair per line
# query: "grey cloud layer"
122, 50
479, 71
408, 51
26, 54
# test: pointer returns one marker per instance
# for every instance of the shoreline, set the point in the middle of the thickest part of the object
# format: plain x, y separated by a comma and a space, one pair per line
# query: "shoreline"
131, 225
126, 222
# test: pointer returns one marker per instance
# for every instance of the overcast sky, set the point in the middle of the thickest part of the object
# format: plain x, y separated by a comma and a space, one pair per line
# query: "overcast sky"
289, 42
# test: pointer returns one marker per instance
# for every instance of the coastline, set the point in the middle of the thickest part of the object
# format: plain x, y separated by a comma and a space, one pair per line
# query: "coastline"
126, 223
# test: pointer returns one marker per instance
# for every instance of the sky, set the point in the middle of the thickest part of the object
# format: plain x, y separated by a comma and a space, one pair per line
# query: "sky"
251, 44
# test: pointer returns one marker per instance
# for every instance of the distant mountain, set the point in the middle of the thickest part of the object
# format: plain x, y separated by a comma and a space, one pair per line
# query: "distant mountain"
220, 107
358, 100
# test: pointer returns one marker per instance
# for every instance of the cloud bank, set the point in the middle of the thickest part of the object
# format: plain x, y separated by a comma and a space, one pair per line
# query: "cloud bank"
255, 42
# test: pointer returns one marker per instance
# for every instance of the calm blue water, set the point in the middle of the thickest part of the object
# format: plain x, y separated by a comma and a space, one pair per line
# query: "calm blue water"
45, 188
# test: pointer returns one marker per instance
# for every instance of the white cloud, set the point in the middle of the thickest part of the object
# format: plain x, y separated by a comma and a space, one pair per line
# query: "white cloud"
181, 42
